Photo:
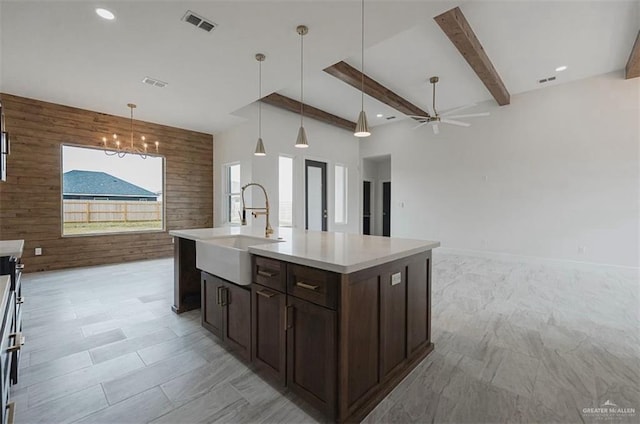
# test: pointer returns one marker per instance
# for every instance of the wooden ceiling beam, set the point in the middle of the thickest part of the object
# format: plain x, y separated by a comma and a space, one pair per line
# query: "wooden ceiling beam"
284, 102
632, 70
456, 27
345, 72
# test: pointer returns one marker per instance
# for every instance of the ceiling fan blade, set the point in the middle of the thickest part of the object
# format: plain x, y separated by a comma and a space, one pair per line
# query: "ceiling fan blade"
436, 130
417, 117
458, 109
458, 123
469, 115
419, 125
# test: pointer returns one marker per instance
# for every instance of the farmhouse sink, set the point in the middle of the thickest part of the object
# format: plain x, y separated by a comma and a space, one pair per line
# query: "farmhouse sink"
228, 257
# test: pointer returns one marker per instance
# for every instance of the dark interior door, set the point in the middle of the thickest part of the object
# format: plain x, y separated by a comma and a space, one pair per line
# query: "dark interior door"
315, 195
386, 209
366, 207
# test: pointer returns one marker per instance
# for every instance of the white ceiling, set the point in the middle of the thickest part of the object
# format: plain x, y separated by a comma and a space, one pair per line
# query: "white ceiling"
61, 51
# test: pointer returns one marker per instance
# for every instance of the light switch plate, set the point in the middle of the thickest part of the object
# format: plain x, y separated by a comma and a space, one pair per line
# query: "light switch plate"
396, 278
38, 251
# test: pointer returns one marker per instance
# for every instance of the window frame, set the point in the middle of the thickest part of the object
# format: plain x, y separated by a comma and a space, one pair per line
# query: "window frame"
345, 194
228, 194
292, 158
163, 229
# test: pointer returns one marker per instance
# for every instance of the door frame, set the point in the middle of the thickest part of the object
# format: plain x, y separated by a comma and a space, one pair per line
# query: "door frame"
372, 208
382, 207
325, 187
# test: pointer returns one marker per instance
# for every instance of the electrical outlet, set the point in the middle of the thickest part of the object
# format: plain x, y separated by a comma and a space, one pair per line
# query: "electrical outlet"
38, 251
582, 250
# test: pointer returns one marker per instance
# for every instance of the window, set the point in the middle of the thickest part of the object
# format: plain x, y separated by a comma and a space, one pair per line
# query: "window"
232, 193
285, 191
108, 194
341, 194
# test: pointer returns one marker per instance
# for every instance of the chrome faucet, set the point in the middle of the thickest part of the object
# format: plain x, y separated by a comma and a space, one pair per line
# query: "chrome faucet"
257, 211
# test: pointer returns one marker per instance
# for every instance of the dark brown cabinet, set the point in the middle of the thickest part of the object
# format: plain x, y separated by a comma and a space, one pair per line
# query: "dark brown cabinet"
268, 332
346, 340
312, 354
226, 312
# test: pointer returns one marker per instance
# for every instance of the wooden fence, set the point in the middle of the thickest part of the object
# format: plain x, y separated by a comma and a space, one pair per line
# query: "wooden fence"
111, 211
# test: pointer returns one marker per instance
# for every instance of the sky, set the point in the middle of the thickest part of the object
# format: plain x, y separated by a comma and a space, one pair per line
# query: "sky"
146, 173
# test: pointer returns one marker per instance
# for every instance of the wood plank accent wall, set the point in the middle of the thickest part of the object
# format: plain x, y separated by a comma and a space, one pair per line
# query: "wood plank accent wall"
30, 199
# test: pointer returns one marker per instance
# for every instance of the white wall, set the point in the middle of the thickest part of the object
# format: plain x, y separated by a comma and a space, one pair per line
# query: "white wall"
279, 130
556, 170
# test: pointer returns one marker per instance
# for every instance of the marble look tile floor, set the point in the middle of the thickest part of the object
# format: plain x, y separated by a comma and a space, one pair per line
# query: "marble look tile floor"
514, 343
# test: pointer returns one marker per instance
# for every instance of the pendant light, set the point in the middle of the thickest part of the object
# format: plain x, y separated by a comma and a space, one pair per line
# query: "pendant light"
301, 141
362, 127
260, 145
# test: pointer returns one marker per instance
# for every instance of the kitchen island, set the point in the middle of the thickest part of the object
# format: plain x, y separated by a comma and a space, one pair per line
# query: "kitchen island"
339, 319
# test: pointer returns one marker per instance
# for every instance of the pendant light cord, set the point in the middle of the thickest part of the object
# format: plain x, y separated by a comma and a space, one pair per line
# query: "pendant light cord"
362, 61
301, 77
260, 100
131, 134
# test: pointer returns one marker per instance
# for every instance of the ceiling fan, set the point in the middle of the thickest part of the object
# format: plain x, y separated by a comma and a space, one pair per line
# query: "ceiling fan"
447, 117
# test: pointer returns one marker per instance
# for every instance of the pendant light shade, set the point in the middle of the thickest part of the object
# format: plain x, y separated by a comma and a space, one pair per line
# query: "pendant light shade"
260, 145
260, 148
362, 127
301, 141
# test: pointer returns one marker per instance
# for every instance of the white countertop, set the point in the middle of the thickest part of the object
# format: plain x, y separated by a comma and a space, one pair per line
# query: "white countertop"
11, 248
339, 252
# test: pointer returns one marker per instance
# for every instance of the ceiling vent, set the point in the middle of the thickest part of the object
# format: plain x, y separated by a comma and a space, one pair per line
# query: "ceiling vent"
543, 80
198, 21
154, 82
389, 118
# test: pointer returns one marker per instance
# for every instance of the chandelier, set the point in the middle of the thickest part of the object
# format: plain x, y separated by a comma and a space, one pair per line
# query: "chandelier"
122, 148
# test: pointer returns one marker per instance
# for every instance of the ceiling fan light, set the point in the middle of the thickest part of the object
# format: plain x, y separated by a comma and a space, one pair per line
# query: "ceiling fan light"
362, 127
301, 141
260, 148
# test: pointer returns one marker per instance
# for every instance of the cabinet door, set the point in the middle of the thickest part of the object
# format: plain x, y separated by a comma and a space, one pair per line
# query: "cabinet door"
212, 310
236, 302
393, 320
418, 305
312, 353
268, 350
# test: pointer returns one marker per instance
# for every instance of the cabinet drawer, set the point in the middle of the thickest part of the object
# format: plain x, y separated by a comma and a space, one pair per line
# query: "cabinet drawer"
269, 273
315, 285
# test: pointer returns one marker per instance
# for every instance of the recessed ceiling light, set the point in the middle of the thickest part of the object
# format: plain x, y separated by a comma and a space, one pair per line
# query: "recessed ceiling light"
379, 115
561, 68
105, 14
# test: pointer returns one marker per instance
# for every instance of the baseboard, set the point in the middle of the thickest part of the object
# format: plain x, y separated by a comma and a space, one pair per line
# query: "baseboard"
510, 257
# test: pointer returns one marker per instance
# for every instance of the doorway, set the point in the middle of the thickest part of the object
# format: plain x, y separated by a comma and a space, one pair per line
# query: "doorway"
366, 207
376, 195
315, 193
386, 209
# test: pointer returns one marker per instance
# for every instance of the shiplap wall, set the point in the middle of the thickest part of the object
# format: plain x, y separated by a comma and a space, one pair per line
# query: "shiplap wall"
30, 200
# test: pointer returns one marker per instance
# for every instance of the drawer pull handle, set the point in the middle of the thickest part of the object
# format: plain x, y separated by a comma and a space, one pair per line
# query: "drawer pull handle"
263, 293
306, 286
266, 273
288, 322
19, 342
11, 406
20, 300
219, 295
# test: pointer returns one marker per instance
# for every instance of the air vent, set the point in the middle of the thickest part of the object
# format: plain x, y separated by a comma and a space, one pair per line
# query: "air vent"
198, 21
389, 118
154, 82
543, 80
